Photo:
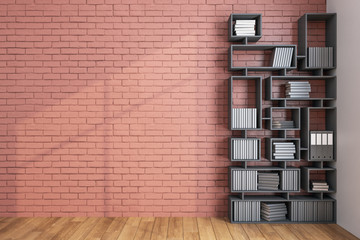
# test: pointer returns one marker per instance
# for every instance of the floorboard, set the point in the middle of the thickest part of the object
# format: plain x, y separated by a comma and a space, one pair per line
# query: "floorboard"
161, 228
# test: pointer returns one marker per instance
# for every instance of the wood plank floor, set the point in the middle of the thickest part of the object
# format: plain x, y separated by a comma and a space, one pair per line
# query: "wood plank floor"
151, 228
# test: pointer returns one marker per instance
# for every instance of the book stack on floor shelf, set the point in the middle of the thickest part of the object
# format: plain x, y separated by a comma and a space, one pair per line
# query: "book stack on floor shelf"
245, 27
268, 181
273, 211
284, 150
319, 185
298, 89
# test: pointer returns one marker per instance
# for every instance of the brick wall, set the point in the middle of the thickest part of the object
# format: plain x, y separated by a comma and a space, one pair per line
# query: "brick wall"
119, 107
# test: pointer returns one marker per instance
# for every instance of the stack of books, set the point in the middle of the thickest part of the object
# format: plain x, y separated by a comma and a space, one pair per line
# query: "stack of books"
284, 150
273, 211
290, 180
283, 124
245, 149
319, 185
244, 117
298, 89
282, 57
244, 180
244, 27
268, 181
320, 57
246, 211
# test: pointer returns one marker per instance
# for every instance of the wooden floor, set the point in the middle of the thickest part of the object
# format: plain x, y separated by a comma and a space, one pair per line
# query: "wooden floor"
161, 228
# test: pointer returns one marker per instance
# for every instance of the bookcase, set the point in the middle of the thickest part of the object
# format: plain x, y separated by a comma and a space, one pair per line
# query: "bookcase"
283, 143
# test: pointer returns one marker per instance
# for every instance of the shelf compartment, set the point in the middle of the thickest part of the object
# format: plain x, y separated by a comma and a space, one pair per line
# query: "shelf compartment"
245, 39
245, 92
247, 179
326, 174
300, 209
269, 148
244, 149
283, 114
317, 119
323, 88
262, 55
329, 28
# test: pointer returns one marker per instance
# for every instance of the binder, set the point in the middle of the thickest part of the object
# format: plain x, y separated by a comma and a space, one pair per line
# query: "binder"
313, 147
330, 146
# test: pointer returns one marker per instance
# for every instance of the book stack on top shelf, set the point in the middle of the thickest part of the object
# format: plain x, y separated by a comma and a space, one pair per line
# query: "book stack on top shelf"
298, 89
245, 27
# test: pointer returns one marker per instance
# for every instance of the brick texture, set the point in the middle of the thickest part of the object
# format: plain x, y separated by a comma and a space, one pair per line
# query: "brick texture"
119, 108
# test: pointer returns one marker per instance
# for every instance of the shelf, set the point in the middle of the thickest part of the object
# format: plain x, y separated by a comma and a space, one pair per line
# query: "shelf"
288, 119
323, 88
312, 173
269, 148
245, 39
301, 210
317, 119
247, 179
244, 149
283, 114
329, 20
264, 58
252, 87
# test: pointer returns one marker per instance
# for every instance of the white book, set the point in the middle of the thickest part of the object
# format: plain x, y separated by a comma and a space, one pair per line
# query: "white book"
283, 59
290, 56
276, 53
245, 21
286, 58
234, 118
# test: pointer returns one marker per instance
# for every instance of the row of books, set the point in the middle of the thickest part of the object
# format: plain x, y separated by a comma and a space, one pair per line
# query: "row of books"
284, 150
283, 124
268, 181
245, 149
321, 145
246, 211
244, 27
296, 89
290, 180
244, 118
321, 57
250, 180
273, 211
312, 211
244, 180
282, 57
319, 185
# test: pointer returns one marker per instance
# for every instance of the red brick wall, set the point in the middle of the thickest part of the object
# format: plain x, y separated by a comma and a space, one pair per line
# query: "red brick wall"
119, 107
